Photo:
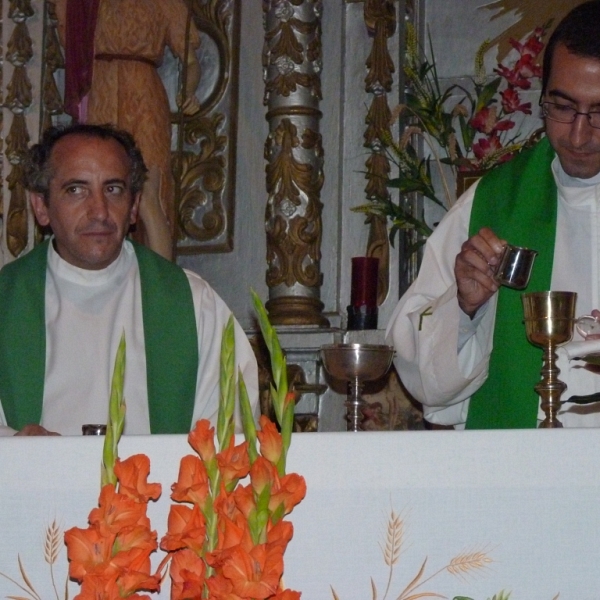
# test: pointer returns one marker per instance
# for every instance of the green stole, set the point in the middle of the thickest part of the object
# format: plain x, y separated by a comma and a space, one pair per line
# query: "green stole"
518, 202
170, 333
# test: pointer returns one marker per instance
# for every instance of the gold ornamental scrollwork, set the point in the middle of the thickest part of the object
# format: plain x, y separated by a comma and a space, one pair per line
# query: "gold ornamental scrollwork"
293, 231
203, 180
294, 153
19, 51
52, 103
204, 163
380, 21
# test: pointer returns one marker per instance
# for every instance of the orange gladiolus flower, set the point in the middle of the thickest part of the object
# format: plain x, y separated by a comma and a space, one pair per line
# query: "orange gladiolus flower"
135, 581
116, 512
186, 529
254, 574
280, 534
271, 444
87, 551
234, 463
192, 484
187, 575
244, 499
262, 474
202, 440
290, 490
132, 474
287, 595
137, 537
220, 588
94, 587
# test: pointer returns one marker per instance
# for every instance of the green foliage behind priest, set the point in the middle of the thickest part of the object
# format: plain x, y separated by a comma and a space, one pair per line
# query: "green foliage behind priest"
65, 304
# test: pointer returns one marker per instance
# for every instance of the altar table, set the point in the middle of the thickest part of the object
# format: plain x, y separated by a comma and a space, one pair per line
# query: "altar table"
481, 512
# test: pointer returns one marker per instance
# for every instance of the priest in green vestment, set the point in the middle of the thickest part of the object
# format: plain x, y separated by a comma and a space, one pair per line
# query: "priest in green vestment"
460, 341
65, 304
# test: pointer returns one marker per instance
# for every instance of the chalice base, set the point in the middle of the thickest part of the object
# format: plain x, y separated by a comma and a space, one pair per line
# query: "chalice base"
550, 389
354, 405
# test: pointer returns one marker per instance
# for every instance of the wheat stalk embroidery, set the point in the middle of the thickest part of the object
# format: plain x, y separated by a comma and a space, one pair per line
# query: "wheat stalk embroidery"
52, 548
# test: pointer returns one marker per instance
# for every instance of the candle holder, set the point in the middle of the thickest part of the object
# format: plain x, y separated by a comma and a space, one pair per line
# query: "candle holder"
363, 311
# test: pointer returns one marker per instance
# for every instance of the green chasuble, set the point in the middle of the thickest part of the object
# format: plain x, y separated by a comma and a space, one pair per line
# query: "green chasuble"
518, 202
169, 330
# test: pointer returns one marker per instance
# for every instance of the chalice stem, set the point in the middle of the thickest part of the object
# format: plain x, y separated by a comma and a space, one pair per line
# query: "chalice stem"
550, 388
354, 404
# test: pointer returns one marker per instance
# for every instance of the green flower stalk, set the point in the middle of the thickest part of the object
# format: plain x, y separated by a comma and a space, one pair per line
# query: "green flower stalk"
248, 424
283, 401
116, 417
225, 425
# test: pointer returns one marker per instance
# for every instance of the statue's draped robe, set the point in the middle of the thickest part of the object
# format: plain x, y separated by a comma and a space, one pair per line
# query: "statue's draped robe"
126, 89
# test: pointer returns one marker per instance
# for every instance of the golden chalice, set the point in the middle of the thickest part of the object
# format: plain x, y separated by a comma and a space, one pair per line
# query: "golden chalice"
549, 320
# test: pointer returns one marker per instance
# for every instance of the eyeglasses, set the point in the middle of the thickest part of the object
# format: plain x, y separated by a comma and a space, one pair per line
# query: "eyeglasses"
567, 114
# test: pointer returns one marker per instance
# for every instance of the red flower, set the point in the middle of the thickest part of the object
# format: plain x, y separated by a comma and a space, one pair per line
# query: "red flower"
132, 474
532, 46
486, 146
485, 120
511, 102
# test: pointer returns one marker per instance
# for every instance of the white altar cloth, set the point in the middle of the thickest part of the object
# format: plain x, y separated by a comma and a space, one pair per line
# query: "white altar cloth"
498, 510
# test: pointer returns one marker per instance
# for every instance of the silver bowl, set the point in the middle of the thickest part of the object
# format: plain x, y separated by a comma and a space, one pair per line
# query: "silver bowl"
363, 362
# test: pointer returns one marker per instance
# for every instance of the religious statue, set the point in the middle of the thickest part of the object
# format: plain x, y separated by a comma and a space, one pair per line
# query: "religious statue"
114, 79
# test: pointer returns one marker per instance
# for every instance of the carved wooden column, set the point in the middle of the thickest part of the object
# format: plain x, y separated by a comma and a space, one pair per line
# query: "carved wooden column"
380, 19
19, 52
292, 65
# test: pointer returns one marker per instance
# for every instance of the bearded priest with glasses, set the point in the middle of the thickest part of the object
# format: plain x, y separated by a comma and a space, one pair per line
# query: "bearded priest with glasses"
447, 328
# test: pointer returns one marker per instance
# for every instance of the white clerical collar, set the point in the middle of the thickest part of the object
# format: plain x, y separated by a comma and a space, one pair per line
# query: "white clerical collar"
567, 181
66, 271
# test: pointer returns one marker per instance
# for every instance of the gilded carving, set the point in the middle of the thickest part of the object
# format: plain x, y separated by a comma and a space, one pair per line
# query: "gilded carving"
51, 99
20, 10
294, 152
16, 218
19, 95
19, 49
204, 162
294, 209
380, 20
202, 181
19, 52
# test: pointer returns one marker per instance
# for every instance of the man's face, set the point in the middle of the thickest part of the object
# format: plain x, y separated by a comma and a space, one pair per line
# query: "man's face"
90, 206
575, 81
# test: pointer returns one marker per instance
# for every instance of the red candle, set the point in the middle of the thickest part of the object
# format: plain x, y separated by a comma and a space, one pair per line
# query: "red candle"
364, 281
